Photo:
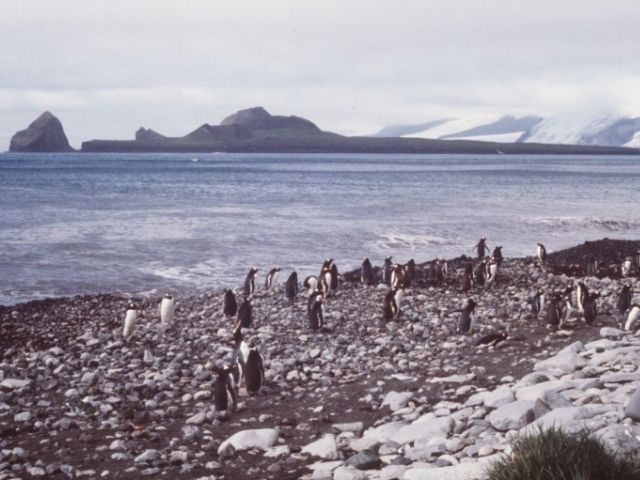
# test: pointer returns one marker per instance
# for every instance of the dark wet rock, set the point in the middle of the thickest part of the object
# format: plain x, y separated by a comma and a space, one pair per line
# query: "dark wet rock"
44, 134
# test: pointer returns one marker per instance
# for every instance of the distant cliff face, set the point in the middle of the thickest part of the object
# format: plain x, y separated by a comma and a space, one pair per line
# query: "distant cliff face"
258, 119
45, 134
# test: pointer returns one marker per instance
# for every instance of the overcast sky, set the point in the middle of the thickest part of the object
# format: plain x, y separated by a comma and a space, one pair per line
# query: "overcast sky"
106, 67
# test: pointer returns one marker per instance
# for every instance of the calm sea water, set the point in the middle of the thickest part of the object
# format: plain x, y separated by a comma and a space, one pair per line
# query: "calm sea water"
86, 223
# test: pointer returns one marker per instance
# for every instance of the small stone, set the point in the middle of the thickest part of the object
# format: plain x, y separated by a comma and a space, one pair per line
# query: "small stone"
147, 456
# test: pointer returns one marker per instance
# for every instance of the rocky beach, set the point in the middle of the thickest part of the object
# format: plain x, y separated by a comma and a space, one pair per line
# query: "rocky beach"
362, 399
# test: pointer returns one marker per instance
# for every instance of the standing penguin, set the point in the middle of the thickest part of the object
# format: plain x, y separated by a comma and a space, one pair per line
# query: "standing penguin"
625, 269
386, 270
466, 282
130, 318
224, 390
480, 273
167, 309
464, 322
326, 278
398, 299
582, 292
482, 248
410, 268
254, 372
624, 299
552, 316
271, 278
542, 253
492, 271
537, 302
314, 311
311, 284
335, 277
245, 314
590, 307
390, 307
291, 287
632, 318
250, 282
592, 266
229, 305
366, 272
442, 270
497, 255
398, 276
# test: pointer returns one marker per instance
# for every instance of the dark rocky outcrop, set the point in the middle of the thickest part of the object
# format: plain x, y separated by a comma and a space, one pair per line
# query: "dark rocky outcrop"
258, 119
45, 134
148, 135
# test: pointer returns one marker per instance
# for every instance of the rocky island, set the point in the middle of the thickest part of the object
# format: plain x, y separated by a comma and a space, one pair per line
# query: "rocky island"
44, 134
364, 399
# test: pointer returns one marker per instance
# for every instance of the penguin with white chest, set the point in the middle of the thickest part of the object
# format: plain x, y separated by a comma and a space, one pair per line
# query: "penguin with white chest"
366, 272
271, 278
632, 318
229, 304
315, 313
466, 316
254, 372
224, 395
130, 318
590, 307
582, 292
291, 288
390, 309
541, 253
167, 309
492, 272
250, 282
552, 316
537, 303
625, 269
325, 280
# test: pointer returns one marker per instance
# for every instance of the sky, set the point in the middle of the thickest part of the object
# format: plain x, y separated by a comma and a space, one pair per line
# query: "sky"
107, 67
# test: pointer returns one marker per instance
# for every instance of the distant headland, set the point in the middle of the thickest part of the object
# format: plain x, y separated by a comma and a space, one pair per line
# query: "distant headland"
254, 130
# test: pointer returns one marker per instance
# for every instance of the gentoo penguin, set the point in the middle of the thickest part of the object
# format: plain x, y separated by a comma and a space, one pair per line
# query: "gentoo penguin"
592, 266
482, 248
466, 282
250, 282
271, 278
632, 318
624, 299
167, 309
466, 316
291, 287
552, 316
240, 353
497, 254
625, 269
565, 305
390, 307
542, 253
480, 273
537, 302
314, 311
590, 307
582, 292
229, 306
254, 372
386, 270
326, 278
366, 272
492, 339
311, 284
130, 318
398, 275
492, 271
224, 390
441, 270
410, 268
245, 314
336, 279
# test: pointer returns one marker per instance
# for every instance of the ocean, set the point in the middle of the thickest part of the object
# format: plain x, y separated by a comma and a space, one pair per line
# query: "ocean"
95, 223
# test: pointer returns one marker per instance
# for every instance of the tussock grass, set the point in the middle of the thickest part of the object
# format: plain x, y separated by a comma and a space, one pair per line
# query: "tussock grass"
556, 455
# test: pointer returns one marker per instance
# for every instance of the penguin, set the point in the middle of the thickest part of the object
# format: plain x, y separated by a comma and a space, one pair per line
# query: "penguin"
466, 282
390, 307
271, 278
250, 282
311, 284
565, 305
466, 316
410, 268
229, 305
366, 272
291, 287
398, 275
240, 347
480, 272
224, 395
632, 318
386, 270
552, 316
335, 277
592, 266
582, 292
537, 303
314, 311
482, 248
254, 372
497, 254
590, 307
638, 258
624, 299
441, 270
492, 271
130, 318
167, 309
245, 314
542, 253
625, 269
326, 278
492, 339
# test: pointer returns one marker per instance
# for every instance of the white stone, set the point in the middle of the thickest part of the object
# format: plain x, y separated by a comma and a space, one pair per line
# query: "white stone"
149, 455
499, 397
348, 473
533, 392
609, 332
397, 400
512, 416
462, 471
325, 448
262, 438
422, 428
13, 383
568, 418
564, 362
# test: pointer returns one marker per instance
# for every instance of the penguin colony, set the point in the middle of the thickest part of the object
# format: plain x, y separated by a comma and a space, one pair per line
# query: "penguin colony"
555, 308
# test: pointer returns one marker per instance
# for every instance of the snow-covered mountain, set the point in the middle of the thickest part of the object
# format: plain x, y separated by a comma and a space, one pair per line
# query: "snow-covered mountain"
611, 130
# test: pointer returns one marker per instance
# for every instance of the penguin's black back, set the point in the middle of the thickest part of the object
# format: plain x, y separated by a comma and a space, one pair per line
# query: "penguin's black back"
291, 287
389, 307
624, 299
245, 314
230, 304
315, 315
254, 372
